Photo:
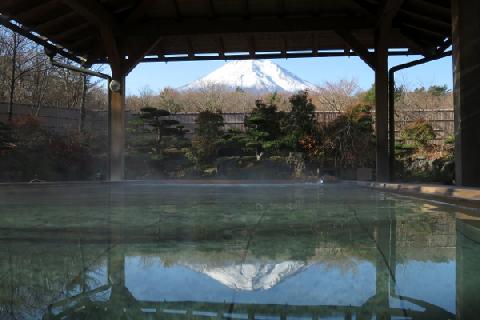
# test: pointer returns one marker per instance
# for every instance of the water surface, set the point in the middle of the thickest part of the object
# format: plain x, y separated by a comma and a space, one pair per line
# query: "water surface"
151, 251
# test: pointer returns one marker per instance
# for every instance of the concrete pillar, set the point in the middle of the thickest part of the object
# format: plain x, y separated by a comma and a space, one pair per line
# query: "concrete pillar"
381, 111
466, 90
116, 128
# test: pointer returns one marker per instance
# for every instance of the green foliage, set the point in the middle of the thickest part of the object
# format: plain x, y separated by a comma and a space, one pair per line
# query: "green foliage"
154, 134
208, 137
300, 121
435, 90
348, 141
419, 134
263, 127
369, 95
438, 91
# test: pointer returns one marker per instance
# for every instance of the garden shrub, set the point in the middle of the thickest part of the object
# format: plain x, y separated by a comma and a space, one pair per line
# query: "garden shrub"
34, 152
263, 128
208, 138
419, 134
300, 121
348, 141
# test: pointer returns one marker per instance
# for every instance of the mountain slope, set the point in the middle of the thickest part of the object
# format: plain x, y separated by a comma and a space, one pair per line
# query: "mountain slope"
252, 76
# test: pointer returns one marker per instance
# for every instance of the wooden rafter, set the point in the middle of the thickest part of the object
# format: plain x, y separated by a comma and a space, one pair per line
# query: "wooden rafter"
420, 25
52, 24
191, 51
65, 34
96, 14
251, 45
314, 44
92, 11
281, 8
276, 25
139, 11
355, 45
139, 55
211, 10
176, 9
36, 11
246, 9
41, 41
222, 46
284, 39
387, 13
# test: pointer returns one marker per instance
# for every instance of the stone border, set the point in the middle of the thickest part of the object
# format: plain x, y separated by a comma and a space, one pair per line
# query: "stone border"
458, 195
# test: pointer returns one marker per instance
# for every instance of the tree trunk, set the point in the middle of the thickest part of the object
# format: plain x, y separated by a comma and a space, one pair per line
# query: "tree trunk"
82, 103
12, 79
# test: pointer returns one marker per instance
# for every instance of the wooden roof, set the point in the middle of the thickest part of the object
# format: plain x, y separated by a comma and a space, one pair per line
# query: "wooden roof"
163, 30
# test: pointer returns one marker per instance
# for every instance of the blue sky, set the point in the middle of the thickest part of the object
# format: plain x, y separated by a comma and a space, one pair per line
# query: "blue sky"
315, 70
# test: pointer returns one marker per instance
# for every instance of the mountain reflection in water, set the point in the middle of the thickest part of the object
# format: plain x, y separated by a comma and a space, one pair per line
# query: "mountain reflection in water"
371, 256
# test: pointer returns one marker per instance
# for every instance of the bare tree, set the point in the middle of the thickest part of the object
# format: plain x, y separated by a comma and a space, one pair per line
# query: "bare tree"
336, 96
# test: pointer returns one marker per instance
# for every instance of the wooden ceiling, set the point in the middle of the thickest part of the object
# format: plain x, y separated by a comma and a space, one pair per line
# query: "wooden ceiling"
164, 30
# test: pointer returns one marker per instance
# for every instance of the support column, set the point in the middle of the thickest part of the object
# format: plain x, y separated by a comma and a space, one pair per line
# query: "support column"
116, 128
381, 110
466, 90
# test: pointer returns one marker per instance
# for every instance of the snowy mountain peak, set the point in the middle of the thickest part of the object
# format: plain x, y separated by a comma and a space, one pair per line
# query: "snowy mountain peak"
252, 276
252, 76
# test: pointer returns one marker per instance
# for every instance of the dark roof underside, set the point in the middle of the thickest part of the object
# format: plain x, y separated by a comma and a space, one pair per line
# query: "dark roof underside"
220, 29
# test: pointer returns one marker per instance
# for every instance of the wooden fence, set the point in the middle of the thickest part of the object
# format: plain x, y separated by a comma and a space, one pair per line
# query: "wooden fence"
60, 119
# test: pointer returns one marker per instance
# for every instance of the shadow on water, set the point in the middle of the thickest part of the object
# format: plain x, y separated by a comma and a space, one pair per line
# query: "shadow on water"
237, 252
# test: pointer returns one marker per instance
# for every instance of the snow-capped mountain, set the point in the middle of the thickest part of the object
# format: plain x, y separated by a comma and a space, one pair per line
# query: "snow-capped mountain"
252, 76
252, 276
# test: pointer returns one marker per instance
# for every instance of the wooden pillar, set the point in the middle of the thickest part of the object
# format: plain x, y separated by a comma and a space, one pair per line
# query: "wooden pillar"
116, 128
381, 110
466, 90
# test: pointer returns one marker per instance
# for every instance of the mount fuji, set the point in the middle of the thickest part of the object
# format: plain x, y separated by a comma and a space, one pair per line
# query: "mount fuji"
252, 276
253, 76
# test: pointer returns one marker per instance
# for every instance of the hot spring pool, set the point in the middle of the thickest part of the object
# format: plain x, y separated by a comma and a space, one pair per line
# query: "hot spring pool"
270, 251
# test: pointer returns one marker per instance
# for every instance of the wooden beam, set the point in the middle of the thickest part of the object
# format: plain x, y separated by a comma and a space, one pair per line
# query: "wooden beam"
272, 24
246, 9
36, 11
211, 10
39, 40
139, 11
251, 44
281, 8
52, 24
82, 42
139, 55
290, 55
314, 44
387, 13
284, 44
222, 46
92, 11
178, 15
426, 21
414, 44
358, 47
96, 14
65, 34
191, 51
110, 46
